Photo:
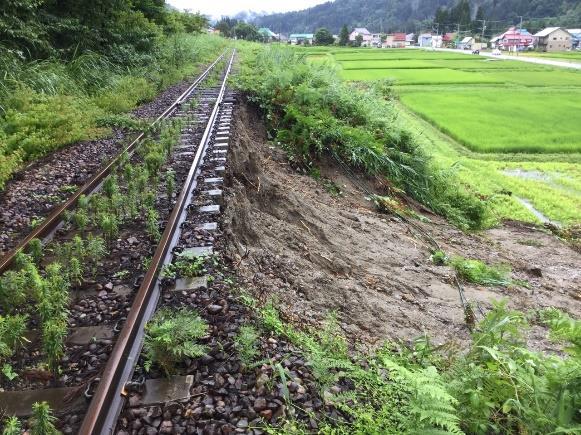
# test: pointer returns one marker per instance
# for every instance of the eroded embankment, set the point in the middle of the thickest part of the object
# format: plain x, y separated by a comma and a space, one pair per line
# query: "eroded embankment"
316, 252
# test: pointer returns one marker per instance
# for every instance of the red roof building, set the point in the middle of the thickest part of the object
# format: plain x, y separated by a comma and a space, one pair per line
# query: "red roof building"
515, 38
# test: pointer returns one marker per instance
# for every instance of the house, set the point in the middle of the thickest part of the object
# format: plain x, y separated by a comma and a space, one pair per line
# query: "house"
366, 34
554, 39
449, 39
394, 40
425, 40
466, 43
410, 39
267, 34
514, 40
301, 38
575, 38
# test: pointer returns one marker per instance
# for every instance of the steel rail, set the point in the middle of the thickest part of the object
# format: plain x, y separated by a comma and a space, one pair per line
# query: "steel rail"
54, 219
108, 399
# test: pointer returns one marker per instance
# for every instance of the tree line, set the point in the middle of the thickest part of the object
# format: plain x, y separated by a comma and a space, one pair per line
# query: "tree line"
39, 29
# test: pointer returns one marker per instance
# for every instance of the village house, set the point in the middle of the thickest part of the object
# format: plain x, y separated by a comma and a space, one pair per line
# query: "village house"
267, 34
410, 39
394, 40
365, 34
513, 40
301, 38
425, 40
554, 39
467, 43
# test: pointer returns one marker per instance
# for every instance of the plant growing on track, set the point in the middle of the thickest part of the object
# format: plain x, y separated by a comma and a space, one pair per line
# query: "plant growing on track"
12, 330
12, 426
54, 298
54, 333
111, 186
12, 289
170, 184
42, 420
109, 224
186, 268
246, 343
171, 337
80, 219
152, 225
35, 250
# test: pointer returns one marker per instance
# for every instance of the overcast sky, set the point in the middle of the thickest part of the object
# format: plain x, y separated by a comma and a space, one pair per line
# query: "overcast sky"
217, 8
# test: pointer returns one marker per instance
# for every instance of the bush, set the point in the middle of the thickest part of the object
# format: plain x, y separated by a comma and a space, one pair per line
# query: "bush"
171, 337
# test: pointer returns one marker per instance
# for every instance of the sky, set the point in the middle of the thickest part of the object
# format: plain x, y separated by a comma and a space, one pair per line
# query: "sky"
217, 8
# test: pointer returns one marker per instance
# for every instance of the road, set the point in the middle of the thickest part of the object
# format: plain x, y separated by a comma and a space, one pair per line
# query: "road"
536, 60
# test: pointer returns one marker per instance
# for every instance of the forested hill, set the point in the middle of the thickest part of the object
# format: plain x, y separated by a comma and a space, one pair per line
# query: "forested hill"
409, 15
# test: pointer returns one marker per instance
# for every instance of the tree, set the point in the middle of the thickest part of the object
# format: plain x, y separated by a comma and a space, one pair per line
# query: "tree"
358, 40
344, 36
226, 26
323, 37
247, 32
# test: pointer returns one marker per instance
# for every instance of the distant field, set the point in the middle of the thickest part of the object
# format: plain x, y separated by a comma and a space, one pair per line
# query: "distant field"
420, 76
504, 120
567, 55
503, 123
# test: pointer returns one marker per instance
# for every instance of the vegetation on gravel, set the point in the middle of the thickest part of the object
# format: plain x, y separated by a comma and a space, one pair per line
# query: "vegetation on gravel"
311, 112
68, 70
497, 386
171, 337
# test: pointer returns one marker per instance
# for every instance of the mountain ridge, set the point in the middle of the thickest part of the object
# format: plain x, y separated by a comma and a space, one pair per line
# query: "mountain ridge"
418, 15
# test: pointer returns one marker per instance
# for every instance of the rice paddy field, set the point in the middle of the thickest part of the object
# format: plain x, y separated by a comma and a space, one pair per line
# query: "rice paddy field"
511, 129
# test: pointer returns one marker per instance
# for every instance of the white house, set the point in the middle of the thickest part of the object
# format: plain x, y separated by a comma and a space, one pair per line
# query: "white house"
425, 40
554, 39
366, 34
466, 43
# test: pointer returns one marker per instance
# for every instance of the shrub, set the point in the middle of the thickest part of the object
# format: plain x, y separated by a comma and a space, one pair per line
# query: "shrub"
12, 426
12, 330
42, 421
246, 343
171, 337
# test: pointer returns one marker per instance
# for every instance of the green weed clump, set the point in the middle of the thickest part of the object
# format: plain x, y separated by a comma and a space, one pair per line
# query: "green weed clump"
171, 337
498, 386
312, 112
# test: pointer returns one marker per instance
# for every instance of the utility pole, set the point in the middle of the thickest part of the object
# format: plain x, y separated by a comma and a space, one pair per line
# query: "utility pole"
483, 29
520, 25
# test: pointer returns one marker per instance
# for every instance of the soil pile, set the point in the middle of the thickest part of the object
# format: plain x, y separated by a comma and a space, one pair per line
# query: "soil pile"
318, 252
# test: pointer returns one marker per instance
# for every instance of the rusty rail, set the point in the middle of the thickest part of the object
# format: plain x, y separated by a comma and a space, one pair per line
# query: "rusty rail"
54, 219
108, 399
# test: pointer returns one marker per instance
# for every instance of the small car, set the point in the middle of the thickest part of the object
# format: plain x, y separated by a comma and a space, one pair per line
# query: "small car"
496, 52
475, 51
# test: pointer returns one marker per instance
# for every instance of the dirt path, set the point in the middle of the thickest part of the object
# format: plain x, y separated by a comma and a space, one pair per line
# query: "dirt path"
317, 253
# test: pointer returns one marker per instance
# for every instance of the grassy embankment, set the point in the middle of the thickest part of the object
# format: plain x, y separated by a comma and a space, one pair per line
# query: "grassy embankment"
48, 104
510, 128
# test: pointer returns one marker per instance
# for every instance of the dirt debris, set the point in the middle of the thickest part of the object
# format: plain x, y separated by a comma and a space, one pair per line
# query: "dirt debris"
316, 252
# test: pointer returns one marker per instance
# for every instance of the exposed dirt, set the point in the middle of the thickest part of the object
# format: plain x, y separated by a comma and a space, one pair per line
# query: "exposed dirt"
316, 252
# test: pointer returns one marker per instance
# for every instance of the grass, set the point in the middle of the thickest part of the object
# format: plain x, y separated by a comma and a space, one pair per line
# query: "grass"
503, 120
420, 76
557, 195
46, 105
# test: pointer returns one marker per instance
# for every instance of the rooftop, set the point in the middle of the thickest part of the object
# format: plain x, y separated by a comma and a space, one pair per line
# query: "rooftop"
362, 30
547, 31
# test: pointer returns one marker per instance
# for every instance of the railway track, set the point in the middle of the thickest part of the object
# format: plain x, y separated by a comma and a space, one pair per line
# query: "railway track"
109, 312
54, 219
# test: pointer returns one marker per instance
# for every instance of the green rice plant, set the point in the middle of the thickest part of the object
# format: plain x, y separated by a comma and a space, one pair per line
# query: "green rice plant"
42, 420
171, 337
12, 426
246, 344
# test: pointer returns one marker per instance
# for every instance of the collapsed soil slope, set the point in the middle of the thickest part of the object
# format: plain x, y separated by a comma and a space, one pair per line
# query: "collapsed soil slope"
317, 253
